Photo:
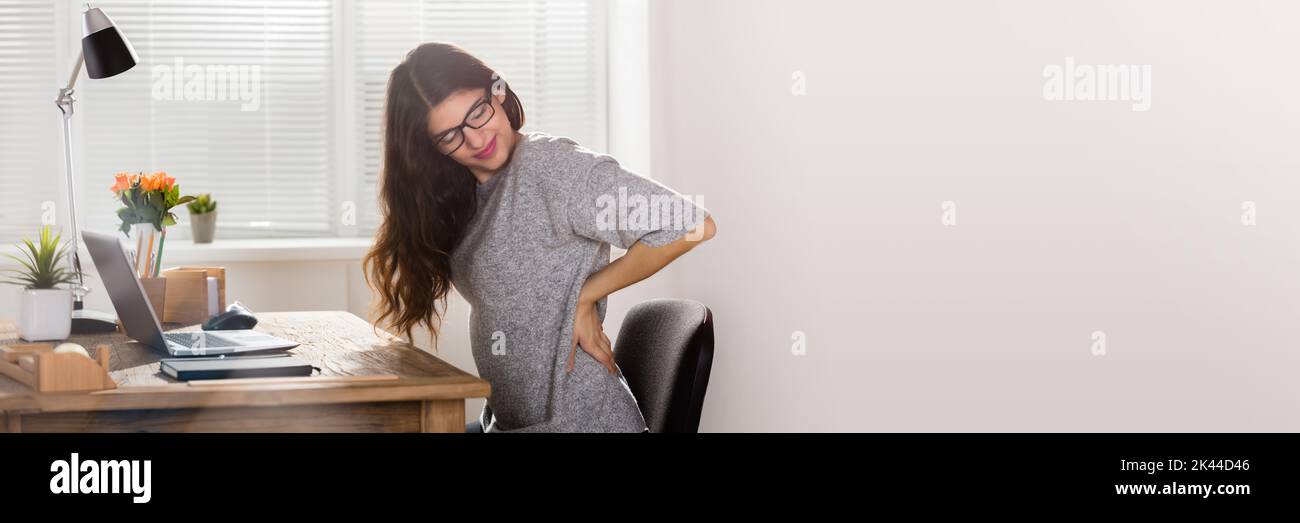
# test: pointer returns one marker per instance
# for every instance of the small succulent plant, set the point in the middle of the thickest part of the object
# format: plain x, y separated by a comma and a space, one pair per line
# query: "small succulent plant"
202, 204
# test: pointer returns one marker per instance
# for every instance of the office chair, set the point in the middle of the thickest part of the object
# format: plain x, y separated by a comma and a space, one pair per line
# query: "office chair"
665, 349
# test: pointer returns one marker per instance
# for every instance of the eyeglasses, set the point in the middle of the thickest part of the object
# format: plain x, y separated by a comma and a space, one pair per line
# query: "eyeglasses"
478, 116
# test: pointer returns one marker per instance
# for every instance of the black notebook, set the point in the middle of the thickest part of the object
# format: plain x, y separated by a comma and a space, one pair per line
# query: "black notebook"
222, 367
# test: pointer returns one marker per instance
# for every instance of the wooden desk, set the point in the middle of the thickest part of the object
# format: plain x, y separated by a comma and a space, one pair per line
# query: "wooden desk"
368, 382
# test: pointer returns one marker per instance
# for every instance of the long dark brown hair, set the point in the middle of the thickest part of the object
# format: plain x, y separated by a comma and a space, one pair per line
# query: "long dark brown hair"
426, 198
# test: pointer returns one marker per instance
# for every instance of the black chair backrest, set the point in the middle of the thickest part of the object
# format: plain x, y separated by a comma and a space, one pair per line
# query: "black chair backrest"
665, 350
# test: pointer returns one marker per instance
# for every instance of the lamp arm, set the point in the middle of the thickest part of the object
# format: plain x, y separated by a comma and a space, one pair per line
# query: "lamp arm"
76, 70
64, 102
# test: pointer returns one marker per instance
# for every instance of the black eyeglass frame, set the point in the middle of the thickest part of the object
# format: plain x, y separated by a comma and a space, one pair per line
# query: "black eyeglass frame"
465, 122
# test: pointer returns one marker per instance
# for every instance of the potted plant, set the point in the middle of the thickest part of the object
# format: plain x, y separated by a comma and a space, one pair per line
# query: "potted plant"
45, 310
203, 218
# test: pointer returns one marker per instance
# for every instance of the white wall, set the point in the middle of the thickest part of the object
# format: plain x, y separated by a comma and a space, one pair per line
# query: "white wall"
1073, 217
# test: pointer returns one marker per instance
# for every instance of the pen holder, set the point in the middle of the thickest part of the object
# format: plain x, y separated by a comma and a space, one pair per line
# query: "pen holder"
182, 294
156, 290
187, 297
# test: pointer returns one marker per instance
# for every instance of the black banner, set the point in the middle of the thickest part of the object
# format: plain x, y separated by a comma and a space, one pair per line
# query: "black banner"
144, 472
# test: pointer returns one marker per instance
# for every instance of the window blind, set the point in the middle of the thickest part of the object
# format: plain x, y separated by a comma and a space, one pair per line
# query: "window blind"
280, 164
31, 148
264, 151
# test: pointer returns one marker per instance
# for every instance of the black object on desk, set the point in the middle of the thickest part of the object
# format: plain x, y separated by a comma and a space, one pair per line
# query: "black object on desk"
236, 317
223, 367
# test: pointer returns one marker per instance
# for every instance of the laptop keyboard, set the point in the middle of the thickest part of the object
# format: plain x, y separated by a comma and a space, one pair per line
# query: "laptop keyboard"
193, 339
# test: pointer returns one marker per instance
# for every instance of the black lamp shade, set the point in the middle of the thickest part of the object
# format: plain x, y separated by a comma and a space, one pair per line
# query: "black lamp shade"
107, 51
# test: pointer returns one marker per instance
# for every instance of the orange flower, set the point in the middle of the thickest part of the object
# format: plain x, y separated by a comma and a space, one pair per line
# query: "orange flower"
158, 181
120, 183
165, 182
123, 181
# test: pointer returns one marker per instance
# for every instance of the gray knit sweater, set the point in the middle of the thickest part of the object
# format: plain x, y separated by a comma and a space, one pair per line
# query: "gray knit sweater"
545, 222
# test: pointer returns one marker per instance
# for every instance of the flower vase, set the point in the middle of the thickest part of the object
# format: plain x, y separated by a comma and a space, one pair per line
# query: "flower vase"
145, 241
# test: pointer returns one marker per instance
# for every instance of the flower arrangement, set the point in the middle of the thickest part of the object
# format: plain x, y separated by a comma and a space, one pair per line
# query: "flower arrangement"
147, 199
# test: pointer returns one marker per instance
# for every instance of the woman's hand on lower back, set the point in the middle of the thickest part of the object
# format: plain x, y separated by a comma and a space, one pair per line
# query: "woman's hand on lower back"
588, 334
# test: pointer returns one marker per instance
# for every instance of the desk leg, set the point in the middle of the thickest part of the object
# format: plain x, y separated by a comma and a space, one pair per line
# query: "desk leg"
442, 416
11, 423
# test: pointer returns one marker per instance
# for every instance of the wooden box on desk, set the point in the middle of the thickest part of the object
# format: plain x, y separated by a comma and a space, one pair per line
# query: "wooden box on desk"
37, 366
180, 295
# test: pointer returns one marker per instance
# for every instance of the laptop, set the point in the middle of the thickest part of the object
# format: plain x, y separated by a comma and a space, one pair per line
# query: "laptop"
113, 262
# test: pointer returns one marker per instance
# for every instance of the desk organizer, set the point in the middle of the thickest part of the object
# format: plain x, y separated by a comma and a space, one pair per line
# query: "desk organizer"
37, 366
180, 294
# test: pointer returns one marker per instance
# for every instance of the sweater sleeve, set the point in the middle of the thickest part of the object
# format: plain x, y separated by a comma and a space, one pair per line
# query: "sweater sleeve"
614, 205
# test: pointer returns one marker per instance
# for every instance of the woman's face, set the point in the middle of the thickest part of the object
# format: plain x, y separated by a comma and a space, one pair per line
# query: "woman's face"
484, 149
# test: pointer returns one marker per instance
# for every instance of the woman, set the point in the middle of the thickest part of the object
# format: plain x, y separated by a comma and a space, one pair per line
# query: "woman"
521, 225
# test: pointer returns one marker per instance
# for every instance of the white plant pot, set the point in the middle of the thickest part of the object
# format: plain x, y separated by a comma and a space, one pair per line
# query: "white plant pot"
45, 314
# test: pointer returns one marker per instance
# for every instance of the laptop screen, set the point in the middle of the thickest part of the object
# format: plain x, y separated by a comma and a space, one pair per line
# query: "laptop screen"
124, 288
